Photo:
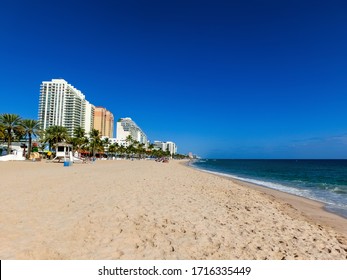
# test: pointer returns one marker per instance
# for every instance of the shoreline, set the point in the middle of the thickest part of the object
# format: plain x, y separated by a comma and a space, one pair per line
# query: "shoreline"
147, 210
312, 209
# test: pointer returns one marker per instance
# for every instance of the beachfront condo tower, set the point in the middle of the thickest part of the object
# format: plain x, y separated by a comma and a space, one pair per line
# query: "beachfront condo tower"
61, 104
166, 146
126, 127
103, 121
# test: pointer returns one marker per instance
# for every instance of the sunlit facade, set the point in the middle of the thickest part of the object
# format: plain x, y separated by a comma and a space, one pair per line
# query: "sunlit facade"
166, 146
126, 127
61, 104
103, 121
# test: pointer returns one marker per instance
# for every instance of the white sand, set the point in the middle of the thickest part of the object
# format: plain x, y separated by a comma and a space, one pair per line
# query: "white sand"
150, 210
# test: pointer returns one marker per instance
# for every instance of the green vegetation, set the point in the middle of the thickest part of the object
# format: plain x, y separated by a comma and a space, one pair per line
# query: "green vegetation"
55, 134
95, 143
31, 128
80, 140
11, 127
14, 128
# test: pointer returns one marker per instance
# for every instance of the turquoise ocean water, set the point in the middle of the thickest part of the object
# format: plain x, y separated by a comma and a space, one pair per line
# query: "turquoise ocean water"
320, 180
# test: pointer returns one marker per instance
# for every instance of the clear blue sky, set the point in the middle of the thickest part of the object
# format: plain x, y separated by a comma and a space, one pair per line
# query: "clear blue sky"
223, 79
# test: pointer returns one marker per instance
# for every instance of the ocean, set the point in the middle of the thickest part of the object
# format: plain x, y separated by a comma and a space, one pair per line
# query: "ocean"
321, 180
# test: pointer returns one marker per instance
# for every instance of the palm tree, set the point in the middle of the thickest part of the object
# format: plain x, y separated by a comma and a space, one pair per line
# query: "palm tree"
121, 150
79, 139
79, 132
130, 150
75, 143
117, 148
11, 124
2, 132
141, 149
106, 144
95, 140
31, 128
56, 134
112, 149
129, 139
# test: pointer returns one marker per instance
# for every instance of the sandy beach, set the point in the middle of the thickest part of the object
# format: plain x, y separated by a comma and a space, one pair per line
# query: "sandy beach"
149, 210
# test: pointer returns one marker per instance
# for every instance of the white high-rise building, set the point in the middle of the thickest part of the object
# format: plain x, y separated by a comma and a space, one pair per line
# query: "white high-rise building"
171, 147
89, 117
62, 104
126, 127
166, 146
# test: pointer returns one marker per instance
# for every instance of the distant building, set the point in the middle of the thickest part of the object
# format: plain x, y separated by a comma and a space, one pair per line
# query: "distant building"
171, 147
89, 117
61, 104
166, 146
159, 145
126, 127
113, 141
103, 121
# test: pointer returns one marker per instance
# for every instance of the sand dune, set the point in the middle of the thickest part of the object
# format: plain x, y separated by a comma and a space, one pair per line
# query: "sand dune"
149, 210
